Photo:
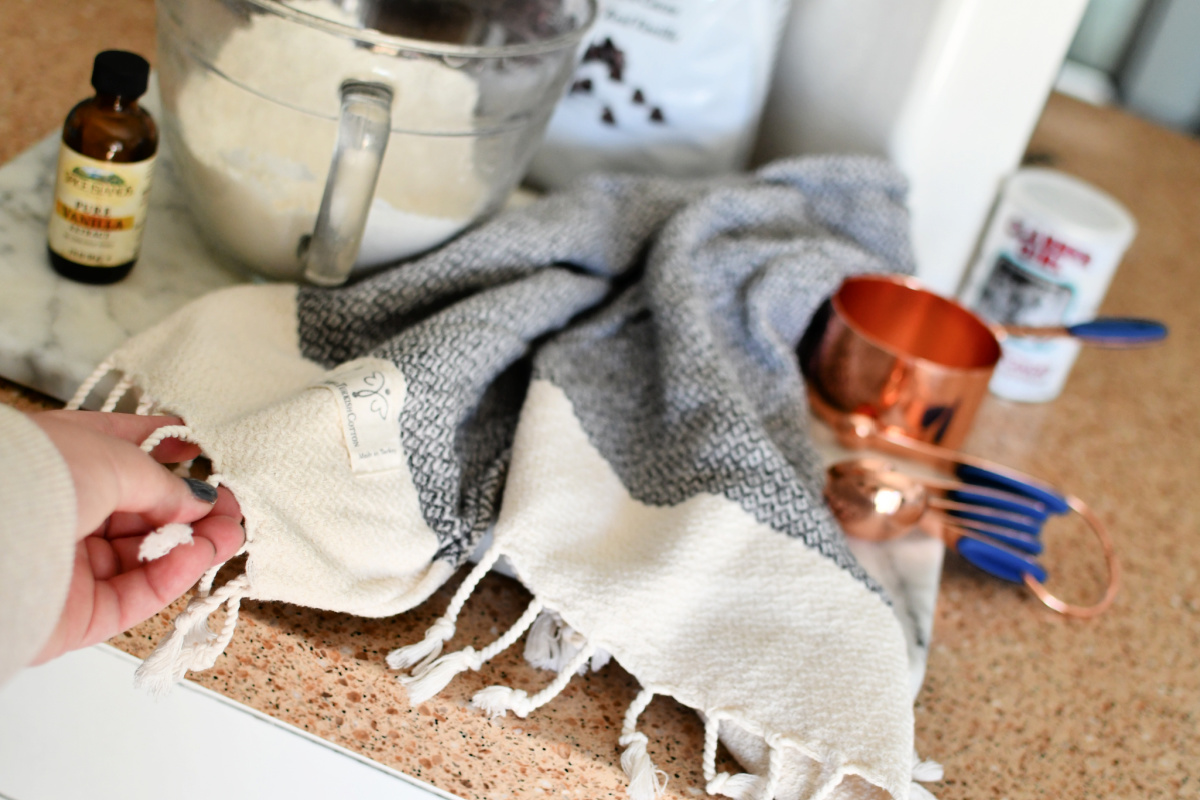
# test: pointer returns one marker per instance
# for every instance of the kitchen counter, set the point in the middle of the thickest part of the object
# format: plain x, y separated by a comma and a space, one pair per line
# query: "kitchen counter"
1018, 702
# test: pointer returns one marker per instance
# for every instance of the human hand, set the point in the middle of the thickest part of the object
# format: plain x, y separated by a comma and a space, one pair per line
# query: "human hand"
122, 494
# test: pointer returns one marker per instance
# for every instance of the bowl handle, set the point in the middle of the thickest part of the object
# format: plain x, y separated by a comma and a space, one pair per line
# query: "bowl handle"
366, 115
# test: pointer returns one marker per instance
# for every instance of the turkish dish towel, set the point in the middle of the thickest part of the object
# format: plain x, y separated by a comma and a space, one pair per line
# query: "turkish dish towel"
607, 379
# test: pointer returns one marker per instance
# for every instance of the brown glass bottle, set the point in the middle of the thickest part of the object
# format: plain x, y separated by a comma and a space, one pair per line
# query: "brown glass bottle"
105, 163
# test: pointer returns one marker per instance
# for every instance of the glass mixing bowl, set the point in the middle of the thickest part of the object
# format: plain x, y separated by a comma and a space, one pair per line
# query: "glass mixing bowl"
319, 137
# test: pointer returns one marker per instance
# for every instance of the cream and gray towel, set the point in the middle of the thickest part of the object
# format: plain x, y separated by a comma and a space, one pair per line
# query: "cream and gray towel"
606, 379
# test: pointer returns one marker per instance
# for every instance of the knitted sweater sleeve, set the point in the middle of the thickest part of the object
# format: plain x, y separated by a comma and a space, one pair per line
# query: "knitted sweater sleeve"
37, 539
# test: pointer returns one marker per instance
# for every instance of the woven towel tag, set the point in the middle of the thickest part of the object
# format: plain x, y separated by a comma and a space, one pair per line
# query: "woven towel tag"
370, 393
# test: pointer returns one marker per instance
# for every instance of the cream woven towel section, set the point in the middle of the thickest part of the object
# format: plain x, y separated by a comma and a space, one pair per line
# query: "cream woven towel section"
616, 362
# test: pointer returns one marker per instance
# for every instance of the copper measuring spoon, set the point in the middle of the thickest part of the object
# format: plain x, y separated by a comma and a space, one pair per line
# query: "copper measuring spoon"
875, 501
872, 500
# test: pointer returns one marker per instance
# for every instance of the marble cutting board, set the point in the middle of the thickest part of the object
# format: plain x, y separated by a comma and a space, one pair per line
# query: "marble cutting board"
53, 333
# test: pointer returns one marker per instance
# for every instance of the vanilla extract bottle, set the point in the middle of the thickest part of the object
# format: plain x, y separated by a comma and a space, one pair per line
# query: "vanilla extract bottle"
105, 164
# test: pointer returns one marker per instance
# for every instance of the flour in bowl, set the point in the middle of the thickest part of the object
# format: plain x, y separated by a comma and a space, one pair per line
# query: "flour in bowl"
254, 136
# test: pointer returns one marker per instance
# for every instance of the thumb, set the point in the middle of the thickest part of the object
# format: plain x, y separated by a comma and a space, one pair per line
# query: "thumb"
151, 491
112, 474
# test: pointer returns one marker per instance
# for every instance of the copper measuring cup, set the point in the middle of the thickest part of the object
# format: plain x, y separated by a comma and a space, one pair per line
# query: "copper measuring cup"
888, 348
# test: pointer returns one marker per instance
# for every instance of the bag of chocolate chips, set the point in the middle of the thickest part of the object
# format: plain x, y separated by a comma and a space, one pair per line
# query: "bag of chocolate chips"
667, 87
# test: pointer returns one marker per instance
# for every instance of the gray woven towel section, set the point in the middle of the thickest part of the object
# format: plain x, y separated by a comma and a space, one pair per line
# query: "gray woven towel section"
667, 311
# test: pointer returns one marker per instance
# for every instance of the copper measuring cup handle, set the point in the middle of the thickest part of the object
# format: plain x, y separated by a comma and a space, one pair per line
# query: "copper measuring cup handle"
860, 431
1112, 332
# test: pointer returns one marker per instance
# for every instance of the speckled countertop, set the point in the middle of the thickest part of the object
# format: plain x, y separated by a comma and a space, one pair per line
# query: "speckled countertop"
1018, 702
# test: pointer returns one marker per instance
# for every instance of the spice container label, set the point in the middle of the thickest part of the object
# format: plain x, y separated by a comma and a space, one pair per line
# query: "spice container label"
99, 209
1047, 259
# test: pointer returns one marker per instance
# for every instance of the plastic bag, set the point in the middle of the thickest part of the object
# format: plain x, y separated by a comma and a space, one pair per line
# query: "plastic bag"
673, 87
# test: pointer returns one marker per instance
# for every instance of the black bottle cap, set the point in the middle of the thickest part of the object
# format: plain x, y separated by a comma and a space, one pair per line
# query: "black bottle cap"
120, 73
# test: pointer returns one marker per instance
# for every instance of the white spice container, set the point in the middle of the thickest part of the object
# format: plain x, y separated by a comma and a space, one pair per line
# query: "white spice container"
1051, 249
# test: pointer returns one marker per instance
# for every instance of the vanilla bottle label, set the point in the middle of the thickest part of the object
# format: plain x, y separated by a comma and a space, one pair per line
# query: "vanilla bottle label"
99, 209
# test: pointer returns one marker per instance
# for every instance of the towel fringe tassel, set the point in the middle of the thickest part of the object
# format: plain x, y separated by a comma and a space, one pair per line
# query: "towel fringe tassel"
421, 654
543, 646
436, 675
158, 543
774, 770
496, 701
146, 405
204, 587
918, 792
429, 679
552, 643
190, 645
117, 394
646, 781
739, 786
85, 389
924, 772
181, 432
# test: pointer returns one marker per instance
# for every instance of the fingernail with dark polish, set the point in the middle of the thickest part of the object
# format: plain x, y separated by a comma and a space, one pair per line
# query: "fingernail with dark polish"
202, 490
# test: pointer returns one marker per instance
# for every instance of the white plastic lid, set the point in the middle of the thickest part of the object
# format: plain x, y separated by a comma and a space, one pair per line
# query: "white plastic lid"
1072, 203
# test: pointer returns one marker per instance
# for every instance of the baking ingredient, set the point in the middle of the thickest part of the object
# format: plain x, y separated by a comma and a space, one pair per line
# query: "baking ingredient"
102, 181
256, 161
665, 86
1049, 254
